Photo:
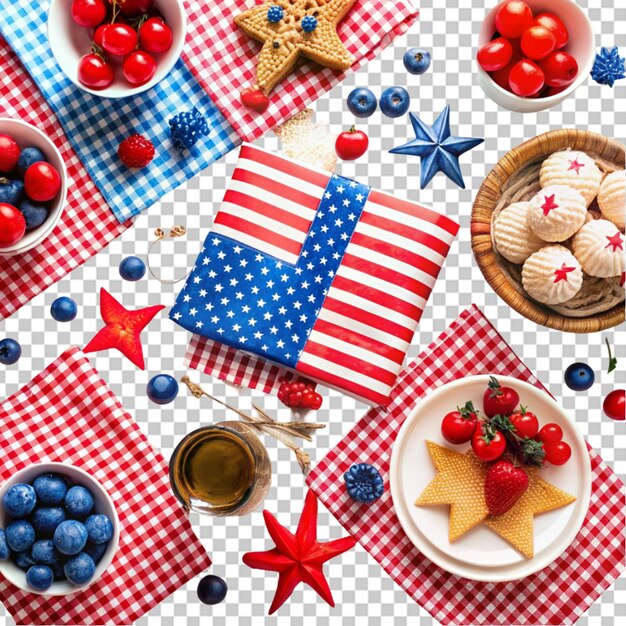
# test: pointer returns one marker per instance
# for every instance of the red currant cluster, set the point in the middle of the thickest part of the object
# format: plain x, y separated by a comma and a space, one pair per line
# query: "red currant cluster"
130, 31
299, 394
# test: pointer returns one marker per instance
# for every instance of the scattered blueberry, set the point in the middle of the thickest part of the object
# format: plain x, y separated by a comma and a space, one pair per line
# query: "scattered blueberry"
364, 482
28, 156
186, 129
19, 500
78, 502
10, 351
50, 489
23, 560
132, 268
95, 551
5, 552
579, 377
212, 589
63, 309
20, 535
70, 537
34, 214
99, 528
162, 389
44, 552
80, 569
11, 191
39, 577
395, 101
416, 60
308, 23
361, 102
46, 520
275, 14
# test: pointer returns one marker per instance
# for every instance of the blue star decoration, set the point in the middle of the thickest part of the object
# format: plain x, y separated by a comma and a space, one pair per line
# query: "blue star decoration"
608, 66
437, 149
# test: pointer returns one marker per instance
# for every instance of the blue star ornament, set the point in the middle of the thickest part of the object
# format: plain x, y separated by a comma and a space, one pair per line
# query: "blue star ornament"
437, 149
608, 67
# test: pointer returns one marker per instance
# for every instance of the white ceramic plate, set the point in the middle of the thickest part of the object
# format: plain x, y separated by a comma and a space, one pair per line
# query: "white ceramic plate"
481, 554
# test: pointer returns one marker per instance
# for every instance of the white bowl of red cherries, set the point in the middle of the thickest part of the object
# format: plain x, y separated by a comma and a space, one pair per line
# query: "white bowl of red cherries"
532, 54
116, 48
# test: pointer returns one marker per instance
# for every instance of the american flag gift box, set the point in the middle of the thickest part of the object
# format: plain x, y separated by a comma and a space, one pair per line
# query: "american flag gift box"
315, 272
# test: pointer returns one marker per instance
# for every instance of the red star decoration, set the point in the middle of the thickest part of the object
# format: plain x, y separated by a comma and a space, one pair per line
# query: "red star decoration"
549, 204
122, 329
575, 165
298, 558
615, 241
561, 274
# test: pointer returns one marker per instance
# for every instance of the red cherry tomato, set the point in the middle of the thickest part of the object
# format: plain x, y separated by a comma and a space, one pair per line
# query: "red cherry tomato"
139, 67
498, 399
119, 39
549, 433
351, 144
88, 13
9, 153
538, 42
525, 423
95, 72
614, 405
559, 68
526, 78
12, 225
513, 18
41, 182
458, 426
553, 22
487, 450
557, 452
135, 8
495, 54
155, 35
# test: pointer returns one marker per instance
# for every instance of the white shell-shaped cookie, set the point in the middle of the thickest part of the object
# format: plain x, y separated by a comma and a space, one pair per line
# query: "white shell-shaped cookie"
574, 169
612, 198
514, 239
556, 212
599, 247
552, 275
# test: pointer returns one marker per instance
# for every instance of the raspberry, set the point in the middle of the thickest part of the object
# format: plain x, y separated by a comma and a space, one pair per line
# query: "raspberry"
299, 394
186, 128
136, 151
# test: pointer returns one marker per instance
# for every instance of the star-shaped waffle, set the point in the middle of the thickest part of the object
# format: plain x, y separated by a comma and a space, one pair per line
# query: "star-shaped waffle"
289, 29
300, 557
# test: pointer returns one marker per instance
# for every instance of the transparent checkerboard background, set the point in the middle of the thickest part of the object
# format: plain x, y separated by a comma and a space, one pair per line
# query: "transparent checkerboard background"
364, 594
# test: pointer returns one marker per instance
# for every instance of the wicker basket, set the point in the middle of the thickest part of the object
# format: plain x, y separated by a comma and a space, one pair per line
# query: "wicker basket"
515, 178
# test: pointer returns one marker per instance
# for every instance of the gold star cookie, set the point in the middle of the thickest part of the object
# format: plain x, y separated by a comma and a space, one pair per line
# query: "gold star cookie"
289, 29
460, 482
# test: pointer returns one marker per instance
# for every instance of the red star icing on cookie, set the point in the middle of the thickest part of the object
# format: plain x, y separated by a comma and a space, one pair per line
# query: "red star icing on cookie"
575, 165
615, 241
549, 204
561, 274
621, 282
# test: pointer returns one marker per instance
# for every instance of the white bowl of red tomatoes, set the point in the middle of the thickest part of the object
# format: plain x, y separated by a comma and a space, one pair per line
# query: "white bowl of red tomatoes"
116, 48
532, 54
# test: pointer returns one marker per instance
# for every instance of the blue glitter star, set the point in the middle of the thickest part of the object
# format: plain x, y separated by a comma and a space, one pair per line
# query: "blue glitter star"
608, 67
437, 149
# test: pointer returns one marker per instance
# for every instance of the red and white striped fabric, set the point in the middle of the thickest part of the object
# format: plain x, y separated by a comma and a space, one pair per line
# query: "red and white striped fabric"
370, 312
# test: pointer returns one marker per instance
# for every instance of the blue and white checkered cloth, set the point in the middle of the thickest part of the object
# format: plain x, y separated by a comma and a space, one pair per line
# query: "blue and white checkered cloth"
96, 126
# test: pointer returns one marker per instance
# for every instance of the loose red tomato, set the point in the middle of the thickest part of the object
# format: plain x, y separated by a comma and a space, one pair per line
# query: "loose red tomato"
526, 78
155, 35
458, 426
95, 72
553, 22
41, 182
538, 42
614, 405
513, 18
351, 144
550, 432
525, 423
559, 68
119, 39
88, 13
498, 399
12, 225
488, 444
495, 54
557, 452
139, 67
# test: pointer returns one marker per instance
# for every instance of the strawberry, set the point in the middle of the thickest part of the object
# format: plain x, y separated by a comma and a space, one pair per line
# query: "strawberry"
254, 99
504, 486
299, 394
136, 151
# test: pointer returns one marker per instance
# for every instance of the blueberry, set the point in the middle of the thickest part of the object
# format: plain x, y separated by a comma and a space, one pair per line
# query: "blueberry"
579, 376
99, 528
395, 101
34, 214
19, 500
20, 535
50, 489
29, 156
23, 560
39, 577
95, 551
5, 552
162, 389
58, 570
10, 351
46, 520
80, 569
212, 589
361, 102
70, 537
11, 191
132, 268
416, 60
63, 309
78, 502
44, 552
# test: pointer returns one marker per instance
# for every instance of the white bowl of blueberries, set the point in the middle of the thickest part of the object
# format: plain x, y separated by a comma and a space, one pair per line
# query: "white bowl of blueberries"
59, 530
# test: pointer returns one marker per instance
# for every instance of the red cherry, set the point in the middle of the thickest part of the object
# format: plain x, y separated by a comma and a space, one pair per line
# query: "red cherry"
550, 432
254, 99
553, 23
155, 35
12, 225
139, 68
614, 405
513, 18
97, 34
526, 78
495, 54
135, 8
95, 72
557, 452
88, 13
9, 153
501, 76
119, 39
42, 182
538, 42
559, 68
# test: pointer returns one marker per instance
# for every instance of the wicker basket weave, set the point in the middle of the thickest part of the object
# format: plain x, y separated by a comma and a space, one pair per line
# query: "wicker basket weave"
516, 178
